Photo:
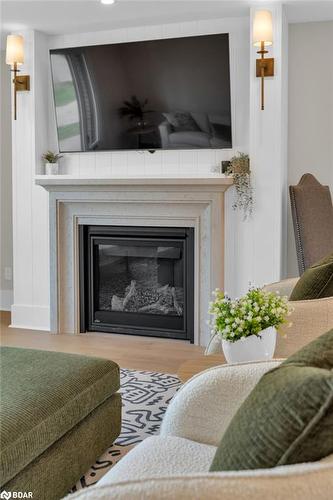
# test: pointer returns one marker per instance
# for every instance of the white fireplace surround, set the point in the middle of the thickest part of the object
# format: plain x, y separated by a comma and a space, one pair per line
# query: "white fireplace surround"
164, 201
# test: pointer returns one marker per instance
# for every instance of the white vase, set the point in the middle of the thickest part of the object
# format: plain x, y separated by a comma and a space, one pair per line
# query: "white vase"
51, 168
253, 348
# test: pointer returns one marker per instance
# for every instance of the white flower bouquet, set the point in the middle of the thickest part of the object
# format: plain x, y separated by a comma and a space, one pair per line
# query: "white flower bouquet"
240, 318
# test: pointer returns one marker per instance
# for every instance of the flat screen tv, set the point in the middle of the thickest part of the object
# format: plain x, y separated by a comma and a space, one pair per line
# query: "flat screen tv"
160, 94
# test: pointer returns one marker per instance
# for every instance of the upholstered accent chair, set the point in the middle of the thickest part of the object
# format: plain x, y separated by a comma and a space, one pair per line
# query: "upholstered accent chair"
309, 319
312, 212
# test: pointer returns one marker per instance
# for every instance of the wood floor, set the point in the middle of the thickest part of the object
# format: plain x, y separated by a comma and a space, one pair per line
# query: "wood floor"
139, 353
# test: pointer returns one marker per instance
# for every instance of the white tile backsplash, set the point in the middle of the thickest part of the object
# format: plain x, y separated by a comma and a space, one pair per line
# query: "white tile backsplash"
205, 160
119, 163
171, 162
104, 164
153, 163
135, 163
88, 164
71, 164
188, 162
223, 154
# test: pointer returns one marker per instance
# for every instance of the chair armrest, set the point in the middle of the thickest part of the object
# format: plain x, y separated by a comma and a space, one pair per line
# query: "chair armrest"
204, 406
309, 320
284, 287
165, 130
292, 482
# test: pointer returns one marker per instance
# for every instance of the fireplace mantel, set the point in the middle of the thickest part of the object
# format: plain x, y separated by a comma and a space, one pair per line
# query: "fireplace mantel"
165, 201
54, 182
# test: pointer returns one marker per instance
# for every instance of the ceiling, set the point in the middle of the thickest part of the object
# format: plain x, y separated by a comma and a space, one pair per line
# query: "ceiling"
58, 17
75, 16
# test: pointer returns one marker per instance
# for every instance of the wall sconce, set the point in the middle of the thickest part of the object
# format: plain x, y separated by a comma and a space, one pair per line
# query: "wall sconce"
15, 57
263, 37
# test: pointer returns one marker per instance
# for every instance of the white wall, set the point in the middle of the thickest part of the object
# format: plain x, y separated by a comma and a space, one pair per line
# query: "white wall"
6, 252
261, 250
310, 110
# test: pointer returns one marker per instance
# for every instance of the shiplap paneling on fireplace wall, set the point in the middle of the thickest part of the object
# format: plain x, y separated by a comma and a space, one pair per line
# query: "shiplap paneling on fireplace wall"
253, 249
6, 253
30, 308
34, 132
265, 235
165, 162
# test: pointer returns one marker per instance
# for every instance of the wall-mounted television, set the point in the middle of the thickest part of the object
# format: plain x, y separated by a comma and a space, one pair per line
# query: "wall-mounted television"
159, 94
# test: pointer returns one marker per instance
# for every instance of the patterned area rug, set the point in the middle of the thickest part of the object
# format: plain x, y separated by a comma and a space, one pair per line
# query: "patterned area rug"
145, 396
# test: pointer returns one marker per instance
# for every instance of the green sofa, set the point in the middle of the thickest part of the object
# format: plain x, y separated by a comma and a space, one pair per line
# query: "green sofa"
59, 412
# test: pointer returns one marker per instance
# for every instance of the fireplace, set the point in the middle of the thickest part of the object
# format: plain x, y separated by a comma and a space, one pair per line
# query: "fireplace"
137, 280
189, 202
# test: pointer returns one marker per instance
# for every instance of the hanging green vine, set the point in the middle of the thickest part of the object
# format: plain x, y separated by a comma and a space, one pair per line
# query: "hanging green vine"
240, 171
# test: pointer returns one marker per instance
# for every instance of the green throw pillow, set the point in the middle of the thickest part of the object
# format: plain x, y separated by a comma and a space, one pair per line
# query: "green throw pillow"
316, 282
287, 418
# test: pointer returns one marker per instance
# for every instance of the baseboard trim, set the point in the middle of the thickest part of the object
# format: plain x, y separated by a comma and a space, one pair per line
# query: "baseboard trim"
30, 317
6, 300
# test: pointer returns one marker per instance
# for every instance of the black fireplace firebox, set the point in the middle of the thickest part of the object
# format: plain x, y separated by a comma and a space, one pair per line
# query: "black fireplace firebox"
137, 280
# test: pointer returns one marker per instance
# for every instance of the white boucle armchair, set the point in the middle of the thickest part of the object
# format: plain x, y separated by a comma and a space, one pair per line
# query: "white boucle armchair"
175, 464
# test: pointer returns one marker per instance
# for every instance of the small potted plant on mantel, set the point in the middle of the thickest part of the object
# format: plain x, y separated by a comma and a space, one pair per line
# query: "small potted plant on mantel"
248, 326
51, 162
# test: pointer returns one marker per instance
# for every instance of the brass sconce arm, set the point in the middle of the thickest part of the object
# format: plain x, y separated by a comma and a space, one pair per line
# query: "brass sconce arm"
264, 67
21, 83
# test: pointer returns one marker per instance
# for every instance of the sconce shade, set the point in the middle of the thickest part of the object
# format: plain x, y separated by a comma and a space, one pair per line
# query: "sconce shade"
262, 28
15, 49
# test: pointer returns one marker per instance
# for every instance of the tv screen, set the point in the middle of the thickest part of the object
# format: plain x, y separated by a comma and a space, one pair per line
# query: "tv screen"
159, 94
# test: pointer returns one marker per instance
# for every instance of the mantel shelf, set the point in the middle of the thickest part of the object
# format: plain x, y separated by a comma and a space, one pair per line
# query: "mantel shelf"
52, 181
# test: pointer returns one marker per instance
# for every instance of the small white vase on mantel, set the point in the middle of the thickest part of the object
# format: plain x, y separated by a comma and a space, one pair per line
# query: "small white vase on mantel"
51, 168
252, 348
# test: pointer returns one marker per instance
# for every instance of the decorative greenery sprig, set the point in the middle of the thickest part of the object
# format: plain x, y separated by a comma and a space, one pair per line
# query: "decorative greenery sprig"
51, 157
240, 171
249, 315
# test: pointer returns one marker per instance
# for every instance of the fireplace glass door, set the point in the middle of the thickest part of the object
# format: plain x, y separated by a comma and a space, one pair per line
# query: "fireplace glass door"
138, 281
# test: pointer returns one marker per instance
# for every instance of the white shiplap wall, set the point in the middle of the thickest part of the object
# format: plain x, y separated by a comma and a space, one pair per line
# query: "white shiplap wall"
34, 132
30, 203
